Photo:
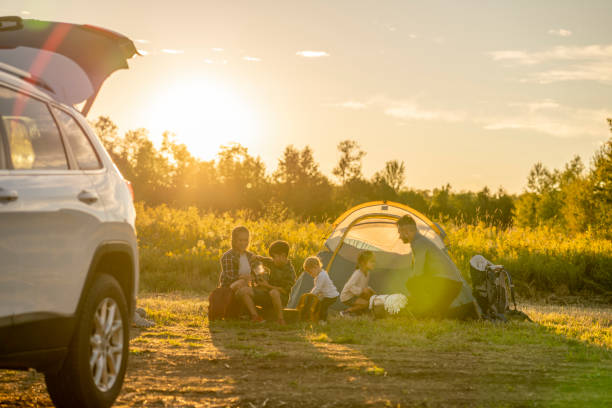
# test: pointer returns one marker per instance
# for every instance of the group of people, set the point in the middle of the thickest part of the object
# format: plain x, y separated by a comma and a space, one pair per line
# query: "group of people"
267, 281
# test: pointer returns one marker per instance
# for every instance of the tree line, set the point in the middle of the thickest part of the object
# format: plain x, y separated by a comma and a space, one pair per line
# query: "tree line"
574, 197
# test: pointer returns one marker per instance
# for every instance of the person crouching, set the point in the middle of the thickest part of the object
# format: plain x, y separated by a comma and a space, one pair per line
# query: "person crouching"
323, 286
356, 293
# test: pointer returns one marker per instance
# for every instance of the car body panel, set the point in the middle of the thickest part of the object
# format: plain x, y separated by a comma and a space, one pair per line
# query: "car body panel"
42, 48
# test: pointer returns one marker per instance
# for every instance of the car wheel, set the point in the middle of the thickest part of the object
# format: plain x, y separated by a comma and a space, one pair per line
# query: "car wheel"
92, 373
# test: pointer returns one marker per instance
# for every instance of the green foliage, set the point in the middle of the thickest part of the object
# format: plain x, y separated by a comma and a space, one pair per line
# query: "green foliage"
541, 260
573, 198
349, 165
180, 250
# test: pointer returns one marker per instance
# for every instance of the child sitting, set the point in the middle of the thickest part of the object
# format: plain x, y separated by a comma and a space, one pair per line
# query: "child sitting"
323, 286
281, 277
356, 292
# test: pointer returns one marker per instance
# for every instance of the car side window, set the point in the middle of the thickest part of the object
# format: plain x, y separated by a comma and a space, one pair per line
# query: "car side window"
33, 138
79, 142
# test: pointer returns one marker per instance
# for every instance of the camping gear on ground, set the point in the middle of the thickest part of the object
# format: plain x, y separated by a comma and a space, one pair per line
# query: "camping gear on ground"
309, 308
387, 305
140, 319
372, 226
222, 304
493, 288
291, 315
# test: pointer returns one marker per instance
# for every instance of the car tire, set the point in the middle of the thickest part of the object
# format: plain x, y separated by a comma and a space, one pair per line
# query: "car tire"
89, 376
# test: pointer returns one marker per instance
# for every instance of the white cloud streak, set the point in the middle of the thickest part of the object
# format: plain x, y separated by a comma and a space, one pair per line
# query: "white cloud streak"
252, 59
312, 54
570, 63
545, 116
551, 118
560, 32
402, 109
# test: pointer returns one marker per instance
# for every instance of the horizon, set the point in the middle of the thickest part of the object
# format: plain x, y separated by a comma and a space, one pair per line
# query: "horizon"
456, 106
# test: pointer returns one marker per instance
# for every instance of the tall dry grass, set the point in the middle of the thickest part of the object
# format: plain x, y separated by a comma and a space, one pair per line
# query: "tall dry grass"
180, 250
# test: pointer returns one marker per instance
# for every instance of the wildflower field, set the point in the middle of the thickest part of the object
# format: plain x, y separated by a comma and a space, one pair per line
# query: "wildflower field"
180, 250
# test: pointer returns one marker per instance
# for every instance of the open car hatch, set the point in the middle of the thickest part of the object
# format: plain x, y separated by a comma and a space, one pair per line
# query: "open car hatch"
70, 60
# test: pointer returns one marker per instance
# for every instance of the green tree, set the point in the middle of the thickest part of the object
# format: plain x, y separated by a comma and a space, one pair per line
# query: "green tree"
349, 165
393, 175
301, 185
601, 181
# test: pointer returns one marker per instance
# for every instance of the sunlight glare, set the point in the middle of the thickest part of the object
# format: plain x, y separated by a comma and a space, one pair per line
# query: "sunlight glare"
203, 115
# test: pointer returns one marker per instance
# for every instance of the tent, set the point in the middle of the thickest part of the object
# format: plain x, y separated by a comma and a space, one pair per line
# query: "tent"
372, 226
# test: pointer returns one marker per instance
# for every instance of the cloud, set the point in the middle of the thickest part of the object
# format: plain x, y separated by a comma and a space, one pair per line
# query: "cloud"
545, 116
312, 54
217, 49
551, 118
402, 109
411, 110
171, 51
142, 52
585, 63
355, 105
25, 12
560, 32
141, 41
594, 71
559, 53
214, 61
253, 59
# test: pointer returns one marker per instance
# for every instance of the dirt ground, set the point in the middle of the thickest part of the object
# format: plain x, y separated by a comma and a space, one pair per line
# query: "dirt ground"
184, 362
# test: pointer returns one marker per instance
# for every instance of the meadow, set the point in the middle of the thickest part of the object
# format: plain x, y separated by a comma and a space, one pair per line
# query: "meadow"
180, 251
563, 359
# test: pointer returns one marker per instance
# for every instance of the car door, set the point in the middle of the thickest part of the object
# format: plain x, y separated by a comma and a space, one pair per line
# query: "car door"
49, 214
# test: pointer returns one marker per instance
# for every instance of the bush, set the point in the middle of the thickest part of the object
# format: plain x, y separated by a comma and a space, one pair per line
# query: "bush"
180, 250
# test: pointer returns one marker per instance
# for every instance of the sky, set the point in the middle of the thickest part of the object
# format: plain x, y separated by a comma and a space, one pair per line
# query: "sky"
471, 93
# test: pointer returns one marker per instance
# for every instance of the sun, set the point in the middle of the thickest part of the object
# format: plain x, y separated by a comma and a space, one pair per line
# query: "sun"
203, 115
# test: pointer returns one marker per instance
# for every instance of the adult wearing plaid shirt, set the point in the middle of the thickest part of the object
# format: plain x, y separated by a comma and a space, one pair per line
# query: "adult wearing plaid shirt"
237, 266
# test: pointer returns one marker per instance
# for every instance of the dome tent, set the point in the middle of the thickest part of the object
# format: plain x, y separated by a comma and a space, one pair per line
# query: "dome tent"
372, 226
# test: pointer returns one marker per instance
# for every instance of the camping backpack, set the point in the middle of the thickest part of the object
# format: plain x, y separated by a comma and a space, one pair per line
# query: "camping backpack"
493, 289
222, 304
309, 308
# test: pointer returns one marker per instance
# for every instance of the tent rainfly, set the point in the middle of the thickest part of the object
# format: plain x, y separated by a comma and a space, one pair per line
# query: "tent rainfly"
372, 226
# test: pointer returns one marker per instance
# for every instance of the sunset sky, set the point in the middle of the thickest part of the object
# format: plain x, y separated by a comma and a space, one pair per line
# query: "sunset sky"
472, 93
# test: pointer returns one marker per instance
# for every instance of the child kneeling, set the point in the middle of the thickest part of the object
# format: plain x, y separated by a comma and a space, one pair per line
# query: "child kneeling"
323, 286
356, 292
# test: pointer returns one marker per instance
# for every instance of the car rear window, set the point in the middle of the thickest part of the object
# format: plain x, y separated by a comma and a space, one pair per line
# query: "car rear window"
33, 139
78, 141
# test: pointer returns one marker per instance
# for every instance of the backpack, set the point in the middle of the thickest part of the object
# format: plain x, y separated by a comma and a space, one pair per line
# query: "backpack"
308, 308
222, 304
493, 289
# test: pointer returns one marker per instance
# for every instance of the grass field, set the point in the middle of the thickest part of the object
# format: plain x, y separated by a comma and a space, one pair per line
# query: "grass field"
564, 359
180, 250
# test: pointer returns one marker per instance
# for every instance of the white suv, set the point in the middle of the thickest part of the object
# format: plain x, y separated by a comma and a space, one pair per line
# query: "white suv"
68, 250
